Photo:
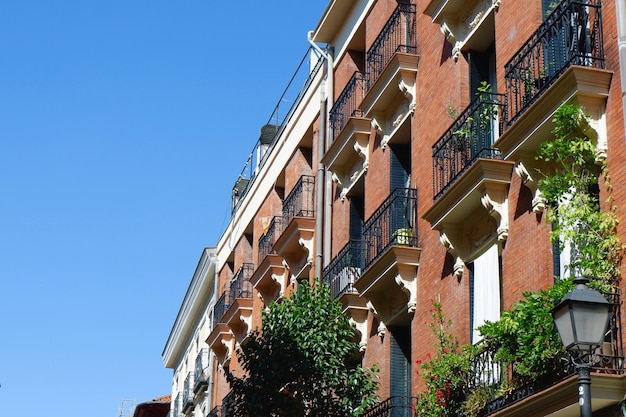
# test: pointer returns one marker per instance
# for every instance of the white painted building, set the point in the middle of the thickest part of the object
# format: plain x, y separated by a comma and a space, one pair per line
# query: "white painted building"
185, 351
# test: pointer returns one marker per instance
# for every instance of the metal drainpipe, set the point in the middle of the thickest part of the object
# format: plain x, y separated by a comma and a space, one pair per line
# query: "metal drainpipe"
322, 230
621, 43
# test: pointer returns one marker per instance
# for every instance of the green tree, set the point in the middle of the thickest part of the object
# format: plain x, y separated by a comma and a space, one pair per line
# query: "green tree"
303, 362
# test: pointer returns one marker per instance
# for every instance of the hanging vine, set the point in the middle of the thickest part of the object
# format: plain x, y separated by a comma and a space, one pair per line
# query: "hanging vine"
572, 191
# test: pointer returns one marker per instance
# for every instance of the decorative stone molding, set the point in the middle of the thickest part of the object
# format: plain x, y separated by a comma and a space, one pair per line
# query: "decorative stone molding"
390, 101
530, 180
270, 279
390, 285
348, 156
459, 265
480, 194
460, 19
494, 200
221, 342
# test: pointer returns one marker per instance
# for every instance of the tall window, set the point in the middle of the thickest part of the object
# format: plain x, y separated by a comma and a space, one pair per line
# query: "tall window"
485, 291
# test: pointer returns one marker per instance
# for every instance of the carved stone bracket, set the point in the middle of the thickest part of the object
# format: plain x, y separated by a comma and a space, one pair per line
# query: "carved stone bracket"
460, 19
390, 285
348, 156
221, 342
459, 265
529, 173
269, 279
495, 201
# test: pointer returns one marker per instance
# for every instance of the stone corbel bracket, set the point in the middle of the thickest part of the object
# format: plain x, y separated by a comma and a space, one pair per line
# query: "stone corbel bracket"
529, 173
359, 320
495, 200
459, 265
408, 284
382, 328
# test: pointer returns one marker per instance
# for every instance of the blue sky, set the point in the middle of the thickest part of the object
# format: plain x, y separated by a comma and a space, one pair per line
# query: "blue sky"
123, 126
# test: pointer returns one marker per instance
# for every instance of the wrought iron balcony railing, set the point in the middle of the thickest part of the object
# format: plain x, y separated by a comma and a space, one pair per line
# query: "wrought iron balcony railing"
301, 200
266, 242
570, 35
398, 35
215, 412
201, 370
490, 375
220, 308
393, 407
291, 97
240, 286
344, 269
394, 222
176, 405
188, 392
470, 137
347, 104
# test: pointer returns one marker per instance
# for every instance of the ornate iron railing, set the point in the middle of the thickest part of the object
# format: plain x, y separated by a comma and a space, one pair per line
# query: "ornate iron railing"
228, 405
344, 269
188, 392
393, 407
398, 35
176, 406
215, 412
490, 375
240, 286
347, 104
301, 200
220, 308
291, 97
394, 222
570, 35
266, 242
469, 138
200, 370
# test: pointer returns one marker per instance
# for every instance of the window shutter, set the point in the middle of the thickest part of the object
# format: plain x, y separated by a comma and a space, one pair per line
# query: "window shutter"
400, 362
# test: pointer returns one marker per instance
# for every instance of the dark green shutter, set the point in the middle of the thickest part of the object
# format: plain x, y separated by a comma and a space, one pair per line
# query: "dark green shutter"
400, 367
399, 166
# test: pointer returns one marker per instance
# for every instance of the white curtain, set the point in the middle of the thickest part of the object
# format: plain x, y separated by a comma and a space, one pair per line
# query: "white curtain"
486, 300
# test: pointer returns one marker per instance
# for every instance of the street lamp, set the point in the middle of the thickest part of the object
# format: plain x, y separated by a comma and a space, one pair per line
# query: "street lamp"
581, 318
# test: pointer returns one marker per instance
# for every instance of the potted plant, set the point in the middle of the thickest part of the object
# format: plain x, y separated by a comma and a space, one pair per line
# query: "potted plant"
403, 236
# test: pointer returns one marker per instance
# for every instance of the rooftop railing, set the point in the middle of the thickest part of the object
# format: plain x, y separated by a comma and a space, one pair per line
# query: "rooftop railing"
394, 222
291, 97
347, 104
570, 35
344, 269
301, 200
398, 35
469, 138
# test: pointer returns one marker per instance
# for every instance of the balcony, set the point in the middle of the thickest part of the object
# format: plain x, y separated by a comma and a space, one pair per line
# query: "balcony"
201, 371
463, 22
562, 62
391, 258
188, 393
340, 275
348, 157
391, 70
238, 315
269, 279
221, 340
556, 393
177, 405
470, 181
295, 244
393, 406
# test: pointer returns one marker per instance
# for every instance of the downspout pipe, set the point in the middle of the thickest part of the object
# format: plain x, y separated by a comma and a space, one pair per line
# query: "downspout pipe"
322, 230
